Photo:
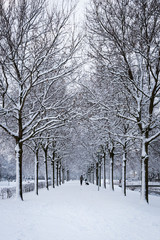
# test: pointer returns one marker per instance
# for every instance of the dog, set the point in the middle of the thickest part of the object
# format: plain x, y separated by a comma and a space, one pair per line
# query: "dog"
87, 183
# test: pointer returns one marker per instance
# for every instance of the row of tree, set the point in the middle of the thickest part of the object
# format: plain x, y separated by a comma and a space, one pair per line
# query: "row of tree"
38, 47
50, 105
124, 84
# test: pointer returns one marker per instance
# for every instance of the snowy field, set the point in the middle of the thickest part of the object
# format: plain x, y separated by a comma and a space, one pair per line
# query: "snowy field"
73, 212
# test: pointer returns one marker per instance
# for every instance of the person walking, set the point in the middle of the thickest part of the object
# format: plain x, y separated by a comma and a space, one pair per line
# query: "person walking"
81, 180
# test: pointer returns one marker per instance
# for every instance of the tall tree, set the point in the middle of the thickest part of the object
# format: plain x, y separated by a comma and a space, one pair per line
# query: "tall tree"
130, 31
36, 50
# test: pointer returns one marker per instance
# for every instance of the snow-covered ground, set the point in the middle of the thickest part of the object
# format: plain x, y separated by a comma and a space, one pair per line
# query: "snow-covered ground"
13, 183
73, 212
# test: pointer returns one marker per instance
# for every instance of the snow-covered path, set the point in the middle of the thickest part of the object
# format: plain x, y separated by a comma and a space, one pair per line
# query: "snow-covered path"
73, 212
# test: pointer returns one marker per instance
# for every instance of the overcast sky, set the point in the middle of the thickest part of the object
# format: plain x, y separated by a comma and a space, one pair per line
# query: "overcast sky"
80, 10
81, 7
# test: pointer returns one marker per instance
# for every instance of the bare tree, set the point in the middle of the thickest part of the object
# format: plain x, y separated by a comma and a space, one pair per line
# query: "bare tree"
36, 52
130, 49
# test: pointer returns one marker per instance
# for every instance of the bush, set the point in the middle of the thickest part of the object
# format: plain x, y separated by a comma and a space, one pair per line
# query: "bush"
8, 192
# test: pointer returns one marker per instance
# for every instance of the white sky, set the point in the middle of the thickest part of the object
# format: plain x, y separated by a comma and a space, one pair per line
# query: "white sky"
80, 10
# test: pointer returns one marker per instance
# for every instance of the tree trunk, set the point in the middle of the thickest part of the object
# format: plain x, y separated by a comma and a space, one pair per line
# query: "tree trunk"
144, 187
46, 168
111, 171
53, 168
97, 174
104, 170
53, 182
18, 152
57, 174
100, 175
60, 180
124, 173
67, 175
36, 172
92, 173
89, 175
63, 175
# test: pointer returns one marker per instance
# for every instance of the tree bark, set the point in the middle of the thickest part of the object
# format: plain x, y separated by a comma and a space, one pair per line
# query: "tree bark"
144, 158
97, 174
89, 175
53, 182
18, 152
67, 175
46, 168
100, 174
36, 172
63, 171
104, 170
111, 170
92, 173
59, 169
57, 174
124, 173
53, 169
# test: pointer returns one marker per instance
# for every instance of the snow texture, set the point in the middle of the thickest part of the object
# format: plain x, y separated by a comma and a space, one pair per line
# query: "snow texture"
74, 212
